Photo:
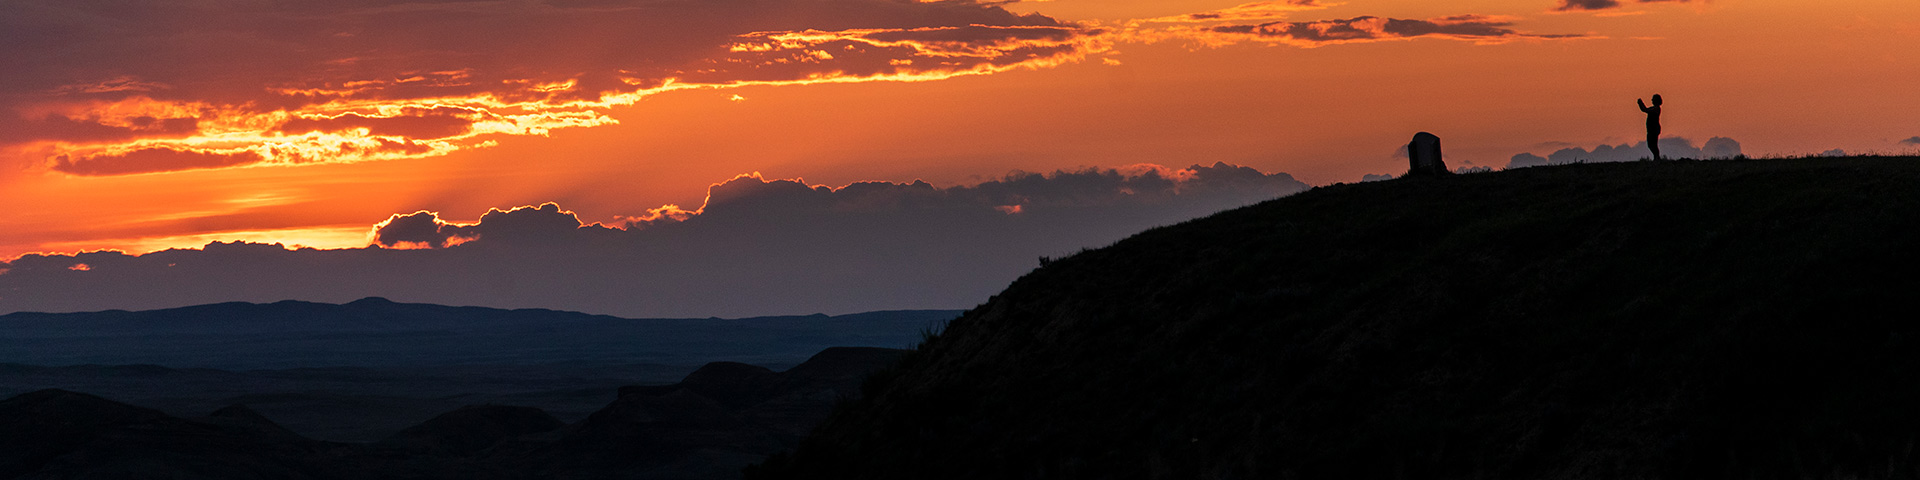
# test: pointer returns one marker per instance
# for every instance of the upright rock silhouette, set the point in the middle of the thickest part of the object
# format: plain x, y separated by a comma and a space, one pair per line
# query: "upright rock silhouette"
1423, 156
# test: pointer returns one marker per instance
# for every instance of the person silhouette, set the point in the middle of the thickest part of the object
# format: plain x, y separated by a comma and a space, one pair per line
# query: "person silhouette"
1653, 124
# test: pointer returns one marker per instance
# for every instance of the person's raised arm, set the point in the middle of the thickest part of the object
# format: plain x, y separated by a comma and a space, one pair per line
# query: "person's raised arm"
1643, 104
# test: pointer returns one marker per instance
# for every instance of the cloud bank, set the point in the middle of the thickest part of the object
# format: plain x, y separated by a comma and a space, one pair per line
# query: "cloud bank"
1670, 147
757, 246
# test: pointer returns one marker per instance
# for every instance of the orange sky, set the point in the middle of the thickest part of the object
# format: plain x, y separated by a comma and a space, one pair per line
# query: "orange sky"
570, 107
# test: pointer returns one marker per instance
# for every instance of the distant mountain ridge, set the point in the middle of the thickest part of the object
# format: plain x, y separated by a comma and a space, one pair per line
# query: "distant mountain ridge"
1683, 319
371, 313
376, 332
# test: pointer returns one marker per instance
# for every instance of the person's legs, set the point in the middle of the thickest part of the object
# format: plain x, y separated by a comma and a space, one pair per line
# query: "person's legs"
1653, 143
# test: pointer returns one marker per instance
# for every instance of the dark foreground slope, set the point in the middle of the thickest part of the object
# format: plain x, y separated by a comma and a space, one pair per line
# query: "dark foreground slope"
1640, 320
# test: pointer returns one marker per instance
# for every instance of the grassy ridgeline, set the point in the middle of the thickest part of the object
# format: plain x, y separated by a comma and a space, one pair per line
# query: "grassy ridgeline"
1651, 319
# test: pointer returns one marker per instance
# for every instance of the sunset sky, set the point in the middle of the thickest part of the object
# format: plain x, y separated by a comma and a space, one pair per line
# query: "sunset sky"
139, 126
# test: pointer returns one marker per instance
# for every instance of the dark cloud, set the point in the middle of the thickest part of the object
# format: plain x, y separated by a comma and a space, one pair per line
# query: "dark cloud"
1583, 5
1913, 140
1719, 147
1254, 11
1670, 147
1523, 160
95, 128
1224, 179
422, 123
528, 225
758, 246
1566, 5
422, 229
1370, 29
149, 160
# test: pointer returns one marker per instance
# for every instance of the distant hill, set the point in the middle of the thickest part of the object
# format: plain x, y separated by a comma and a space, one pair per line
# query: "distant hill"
1725, 319
350, 404
708, 426
375, 332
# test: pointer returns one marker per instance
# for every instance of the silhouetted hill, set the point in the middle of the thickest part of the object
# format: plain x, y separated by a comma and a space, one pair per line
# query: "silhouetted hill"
41, 425
708, 426
244, 417
472, 428
57, 434
721, 418
1749, 319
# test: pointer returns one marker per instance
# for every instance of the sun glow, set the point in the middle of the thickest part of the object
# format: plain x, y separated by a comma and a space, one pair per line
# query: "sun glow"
321, 237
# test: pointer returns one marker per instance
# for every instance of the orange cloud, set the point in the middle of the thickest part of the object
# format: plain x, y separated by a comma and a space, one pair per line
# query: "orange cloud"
932, 53
230, 83
1483, 29
211, 85
1255, 11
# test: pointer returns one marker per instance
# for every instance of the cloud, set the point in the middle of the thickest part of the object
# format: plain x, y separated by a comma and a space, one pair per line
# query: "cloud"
359, 80
1720, 147
757, 246
413, 122
1523, 160
1913, 140
291, 83
895, 54
1670, 147
148, 160
1587, 5
1477, 28
422, 229
523, 225
1245, 12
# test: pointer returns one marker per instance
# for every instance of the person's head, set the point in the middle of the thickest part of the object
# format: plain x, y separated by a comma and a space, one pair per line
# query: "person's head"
1656, 99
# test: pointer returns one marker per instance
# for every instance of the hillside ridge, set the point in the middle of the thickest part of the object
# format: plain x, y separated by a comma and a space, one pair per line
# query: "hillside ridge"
1690, 319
